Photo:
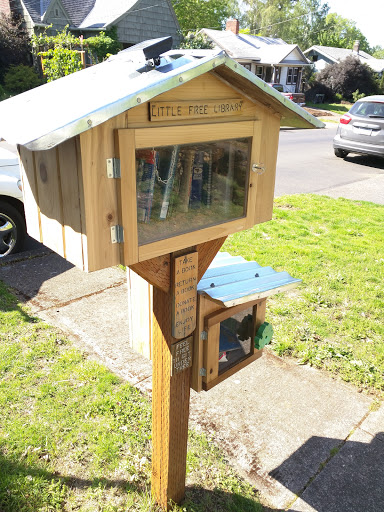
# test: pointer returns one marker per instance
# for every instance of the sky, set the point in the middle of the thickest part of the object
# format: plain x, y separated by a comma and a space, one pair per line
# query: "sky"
368, 15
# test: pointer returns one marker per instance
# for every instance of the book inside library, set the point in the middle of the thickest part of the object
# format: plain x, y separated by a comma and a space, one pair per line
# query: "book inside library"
187, 187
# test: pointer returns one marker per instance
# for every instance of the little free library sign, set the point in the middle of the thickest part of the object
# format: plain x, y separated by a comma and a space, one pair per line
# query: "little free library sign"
177, 110
184, 295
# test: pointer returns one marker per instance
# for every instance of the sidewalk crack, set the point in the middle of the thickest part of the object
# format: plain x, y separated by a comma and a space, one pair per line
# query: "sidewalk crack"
334, 451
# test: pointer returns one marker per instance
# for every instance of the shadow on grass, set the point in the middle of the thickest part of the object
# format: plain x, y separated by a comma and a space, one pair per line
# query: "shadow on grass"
27, 489
9, 303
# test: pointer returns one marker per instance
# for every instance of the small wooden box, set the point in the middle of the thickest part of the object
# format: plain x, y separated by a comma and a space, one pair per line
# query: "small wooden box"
74, 208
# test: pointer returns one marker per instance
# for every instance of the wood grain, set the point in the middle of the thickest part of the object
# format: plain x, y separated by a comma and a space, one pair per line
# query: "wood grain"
170, 410
207, 252
169, 135
126, 152
156, 271
184, 294
50, 200
30, 194
101, 201
67, 159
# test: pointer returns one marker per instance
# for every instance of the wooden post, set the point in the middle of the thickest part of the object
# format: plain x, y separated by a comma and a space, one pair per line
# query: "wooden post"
170, 384
170, 409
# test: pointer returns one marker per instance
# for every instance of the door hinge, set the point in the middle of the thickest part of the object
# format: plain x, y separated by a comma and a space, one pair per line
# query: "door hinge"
117, 234
203, 372
204, 335
113, 168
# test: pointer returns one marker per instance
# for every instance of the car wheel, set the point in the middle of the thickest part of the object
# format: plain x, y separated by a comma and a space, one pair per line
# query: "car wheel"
341, 153
12, 230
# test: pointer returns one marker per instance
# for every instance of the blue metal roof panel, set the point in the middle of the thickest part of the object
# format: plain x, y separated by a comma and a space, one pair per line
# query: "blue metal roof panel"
232, 273
230, 285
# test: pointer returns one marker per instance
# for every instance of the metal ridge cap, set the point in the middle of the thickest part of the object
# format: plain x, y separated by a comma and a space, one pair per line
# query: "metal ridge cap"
89, 120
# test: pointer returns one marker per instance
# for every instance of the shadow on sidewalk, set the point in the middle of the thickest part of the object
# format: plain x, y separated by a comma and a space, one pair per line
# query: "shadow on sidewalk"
25, 273
376, 162
350, 479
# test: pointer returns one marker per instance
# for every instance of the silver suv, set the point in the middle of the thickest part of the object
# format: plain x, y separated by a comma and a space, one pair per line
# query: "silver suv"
12, 220
362, 129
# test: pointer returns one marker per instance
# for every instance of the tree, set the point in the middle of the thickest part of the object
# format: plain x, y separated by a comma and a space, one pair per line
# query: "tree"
347, 76
196, 14
14, 43
195, 40
59, 53
294, 21
378, 52
341, 32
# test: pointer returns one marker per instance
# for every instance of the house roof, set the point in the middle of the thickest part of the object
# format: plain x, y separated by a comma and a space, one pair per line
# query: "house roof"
257, 48
84, 14
80, 101
78, 10
338, 54
106, 12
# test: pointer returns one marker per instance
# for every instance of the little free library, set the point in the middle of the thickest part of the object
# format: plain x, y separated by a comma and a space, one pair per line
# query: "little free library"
150, 160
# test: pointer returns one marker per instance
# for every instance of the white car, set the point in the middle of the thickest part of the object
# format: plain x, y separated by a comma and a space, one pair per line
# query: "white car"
12, 220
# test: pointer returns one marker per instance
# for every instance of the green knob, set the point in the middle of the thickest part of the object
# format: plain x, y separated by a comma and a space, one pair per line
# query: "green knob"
264, 335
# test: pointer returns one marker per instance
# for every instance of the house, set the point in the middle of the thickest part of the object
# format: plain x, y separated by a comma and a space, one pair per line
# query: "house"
135, 20
271, 59
321, 56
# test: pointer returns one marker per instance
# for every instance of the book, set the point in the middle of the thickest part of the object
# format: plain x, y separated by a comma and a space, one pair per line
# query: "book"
148, 161
169, 182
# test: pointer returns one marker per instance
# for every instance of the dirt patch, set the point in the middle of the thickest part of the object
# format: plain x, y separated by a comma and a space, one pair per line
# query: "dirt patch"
317, 112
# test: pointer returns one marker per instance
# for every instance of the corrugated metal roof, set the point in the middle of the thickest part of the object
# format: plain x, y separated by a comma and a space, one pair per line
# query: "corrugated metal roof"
231, 280
54, 112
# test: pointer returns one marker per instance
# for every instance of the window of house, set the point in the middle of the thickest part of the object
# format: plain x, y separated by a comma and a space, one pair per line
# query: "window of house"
57, 13
277, 75
247, 66
259, 71
292, 75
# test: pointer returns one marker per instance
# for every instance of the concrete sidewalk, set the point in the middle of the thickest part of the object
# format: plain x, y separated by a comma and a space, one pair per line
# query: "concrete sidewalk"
306, 441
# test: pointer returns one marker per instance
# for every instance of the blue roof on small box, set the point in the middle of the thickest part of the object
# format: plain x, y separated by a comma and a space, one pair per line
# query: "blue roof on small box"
231, 280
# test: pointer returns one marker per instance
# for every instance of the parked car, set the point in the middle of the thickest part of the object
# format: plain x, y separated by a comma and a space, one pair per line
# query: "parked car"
12, 220
361, 130
296, 97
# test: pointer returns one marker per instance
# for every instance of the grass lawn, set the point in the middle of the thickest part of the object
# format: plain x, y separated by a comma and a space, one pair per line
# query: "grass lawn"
337, 108
334, 320
74, 437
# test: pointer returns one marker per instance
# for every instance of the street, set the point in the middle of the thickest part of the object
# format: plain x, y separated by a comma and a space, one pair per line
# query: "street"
306, 164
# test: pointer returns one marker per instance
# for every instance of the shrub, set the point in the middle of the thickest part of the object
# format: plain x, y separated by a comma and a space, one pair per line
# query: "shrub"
319, 88
347, 76
357, 95
20, 78
103, 45
59, 62
338, 97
